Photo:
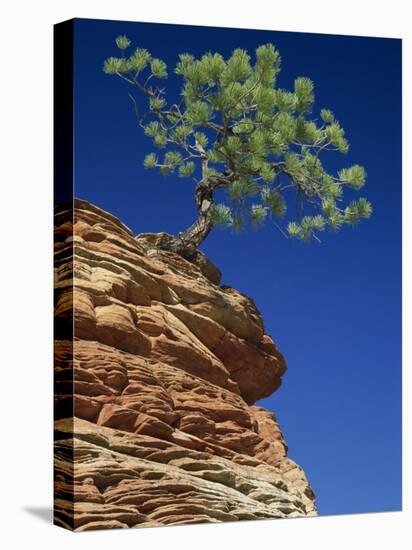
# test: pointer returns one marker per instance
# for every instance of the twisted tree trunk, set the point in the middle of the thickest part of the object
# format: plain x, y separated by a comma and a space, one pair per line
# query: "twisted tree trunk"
187, 242
200, 229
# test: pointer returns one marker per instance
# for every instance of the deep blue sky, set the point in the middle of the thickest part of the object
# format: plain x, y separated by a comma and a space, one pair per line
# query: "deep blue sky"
334, 309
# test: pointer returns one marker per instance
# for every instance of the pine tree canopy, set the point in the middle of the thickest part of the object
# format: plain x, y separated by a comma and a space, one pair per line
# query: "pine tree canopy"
233, 129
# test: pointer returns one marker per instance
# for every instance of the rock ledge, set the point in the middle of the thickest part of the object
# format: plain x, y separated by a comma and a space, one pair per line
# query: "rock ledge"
164, 370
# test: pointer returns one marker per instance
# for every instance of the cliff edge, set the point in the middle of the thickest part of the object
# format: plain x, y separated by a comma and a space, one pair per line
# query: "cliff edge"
164, 370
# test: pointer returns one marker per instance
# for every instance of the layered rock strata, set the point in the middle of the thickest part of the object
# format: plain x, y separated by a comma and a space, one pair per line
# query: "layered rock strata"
155, 422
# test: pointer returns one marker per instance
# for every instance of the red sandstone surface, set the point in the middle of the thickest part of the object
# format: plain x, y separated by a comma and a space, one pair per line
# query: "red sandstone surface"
163, 371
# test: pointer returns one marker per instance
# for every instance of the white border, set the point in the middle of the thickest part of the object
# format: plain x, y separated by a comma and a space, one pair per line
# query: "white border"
26, 280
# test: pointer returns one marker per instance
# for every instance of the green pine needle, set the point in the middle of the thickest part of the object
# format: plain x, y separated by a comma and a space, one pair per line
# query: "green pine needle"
221, 215
122, 42
150, 161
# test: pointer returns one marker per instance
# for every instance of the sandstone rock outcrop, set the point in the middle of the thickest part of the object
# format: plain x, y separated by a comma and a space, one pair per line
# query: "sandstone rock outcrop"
155, 421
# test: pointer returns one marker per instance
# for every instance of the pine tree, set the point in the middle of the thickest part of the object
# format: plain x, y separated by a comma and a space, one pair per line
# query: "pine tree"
232, 128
